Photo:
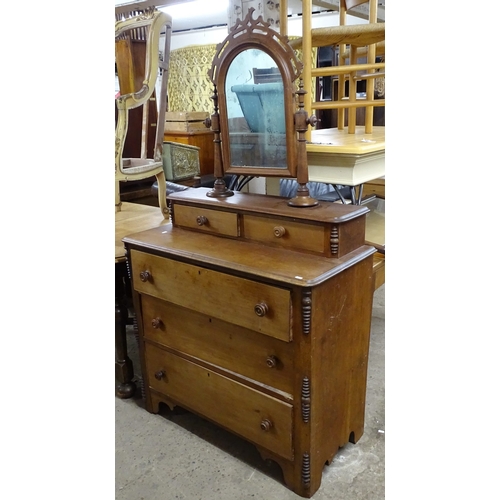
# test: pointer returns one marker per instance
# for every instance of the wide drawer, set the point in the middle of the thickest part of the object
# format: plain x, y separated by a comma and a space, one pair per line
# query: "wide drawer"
286, 233
257, 306
260, 418
206, 220
262, 358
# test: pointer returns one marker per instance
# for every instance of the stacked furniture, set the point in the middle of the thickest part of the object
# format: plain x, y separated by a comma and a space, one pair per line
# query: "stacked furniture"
189, 92
349, 155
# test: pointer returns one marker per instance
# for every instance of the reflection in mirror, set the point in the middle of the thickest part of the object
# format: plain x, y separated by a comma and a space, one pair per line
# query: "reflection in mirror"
256, 111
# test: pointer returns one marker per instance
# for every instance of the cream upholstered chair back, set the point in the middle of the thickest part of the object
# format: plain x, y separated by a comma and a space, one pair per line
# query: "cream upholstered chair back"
142, 80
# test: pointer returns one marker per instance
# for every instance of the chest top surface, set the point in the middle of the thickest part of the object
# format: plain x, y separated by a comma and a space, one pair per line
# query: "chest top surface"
277, 265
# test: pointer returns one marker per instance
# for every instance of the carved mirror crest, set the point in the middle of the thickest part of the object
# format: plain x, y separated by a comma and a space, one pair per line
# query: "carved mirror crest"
255, 125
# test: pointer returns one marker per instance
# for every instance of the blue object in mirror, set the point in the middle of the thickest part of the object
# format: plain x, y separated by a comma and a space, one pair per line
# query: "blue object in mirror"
256, 112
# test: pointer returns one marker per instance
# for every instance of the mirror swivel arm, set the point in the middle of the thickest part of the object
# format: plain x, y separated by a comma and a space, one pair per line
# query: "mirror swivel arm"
220, 189
302, 198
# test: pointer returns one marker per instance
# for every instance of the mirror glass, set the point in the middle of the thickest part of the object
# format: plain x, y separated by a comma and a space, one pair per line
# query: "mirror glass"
256, 111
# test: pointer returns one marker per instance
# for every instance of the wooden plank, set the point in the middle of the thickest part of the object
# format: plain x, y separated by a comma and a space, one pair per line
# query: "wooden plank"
185, 116
358, 143
378, 270
133, 218
184, 126
376, 187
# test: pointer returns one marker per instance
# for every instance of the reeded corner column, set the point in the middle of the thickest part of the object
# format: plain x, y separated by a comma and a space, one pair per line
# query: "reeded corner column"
302, 198
220, 189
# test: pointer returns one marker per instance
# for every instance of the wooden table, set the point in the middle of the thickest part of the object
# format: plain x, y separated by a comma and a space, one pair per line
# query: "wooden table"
132, 218
341, 159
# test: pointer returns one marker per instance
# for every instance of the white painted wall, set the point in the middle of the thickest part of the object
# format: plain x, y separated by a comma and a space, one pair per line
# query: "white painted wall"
217, 35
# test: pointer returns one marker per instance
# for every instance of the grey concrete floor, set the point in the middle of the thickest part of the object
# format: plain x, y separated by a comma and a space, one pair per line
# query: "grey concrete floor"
177, 455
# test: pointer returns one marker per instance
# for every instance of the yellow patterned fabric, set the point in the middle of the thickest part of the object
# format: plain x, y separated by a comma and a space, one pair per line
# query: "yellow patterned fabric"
380, 84
189, 87
379, 87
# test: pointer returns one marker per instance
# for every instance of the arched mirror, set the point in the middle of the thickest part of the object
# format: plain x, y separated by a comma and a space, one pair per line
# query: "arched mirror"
256, 123
257, 130
254, 73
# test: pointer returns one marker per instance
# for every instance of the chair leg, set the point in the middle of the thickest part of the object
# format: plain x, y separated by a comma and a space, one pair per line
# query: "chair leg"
162, 193
118, 203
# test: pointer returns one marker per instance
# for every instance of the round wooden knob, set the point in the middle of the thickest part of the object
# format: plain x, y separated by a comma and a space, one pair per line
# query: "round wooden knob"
261, 309
159, 375
145, 275
272, 361
279, 231
266, 425
156, 322
312, 120
201, 220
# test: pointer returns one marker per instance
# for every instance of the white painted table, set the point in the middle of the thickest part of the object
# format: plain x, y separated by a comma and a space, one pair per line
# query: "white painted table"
336, 157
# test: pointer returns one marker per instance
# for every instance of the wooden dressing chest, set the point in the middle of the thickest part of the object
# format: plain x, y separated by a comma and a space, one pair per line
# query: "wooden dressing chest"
256, 315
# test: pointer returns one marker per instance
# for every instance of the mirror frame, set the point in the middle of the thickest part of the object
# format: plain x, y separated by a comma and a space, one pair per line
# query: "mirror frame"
257, 34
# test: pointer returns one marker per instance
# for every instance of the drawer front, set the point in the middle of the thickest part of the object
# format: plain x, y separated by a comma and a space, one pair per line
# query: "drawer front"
257, 306
257, 417
285, 233
206, 220
261, 358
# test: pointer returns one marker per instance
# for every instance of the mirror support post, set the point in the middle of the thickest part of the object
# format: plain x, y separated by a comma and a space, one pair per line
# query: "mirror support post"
220, 189
302, 198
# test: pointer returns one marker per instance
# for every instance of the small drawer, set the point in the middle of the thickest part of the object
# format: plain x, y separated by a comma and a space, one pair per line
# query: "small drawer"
286, 233
266, 360
264, 308
206, 220
262, 419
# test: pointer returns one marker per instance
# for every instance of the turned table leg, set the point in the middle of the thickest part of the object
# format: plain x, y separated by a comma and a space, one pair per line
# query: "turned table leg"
124, 370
